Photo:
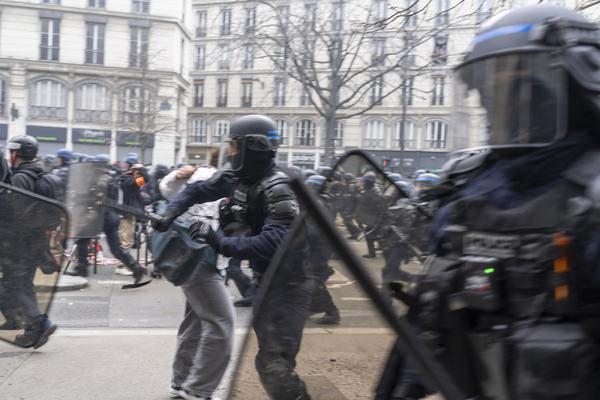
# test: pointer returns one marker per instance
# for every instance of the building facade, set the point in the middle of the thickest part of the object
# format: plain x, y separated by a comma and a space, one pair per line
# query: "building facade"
96, 76
408, 128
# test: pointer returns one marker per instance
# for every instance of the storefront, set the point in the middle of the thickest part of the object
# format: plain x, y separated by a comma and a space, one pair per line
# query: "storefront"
412, 160
91, 141
128, 142
51, 138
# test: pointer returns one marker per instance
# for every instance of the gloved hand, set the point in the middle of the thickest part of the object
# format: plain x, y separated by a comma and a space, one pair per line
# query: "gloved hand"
203, 230
163, 221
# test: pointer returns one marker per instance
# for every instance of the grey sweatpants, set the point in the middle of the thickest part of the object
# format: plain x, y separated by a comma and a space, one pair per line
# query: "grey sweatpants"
205, 336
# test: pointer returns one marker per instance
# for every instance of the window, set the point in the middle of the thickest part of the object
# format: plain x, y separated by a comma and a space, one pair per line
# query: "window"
50, 1
94, 44
437, 95
250, 20
437, 132
197, 133
49, 43
380, 10
484, 10
411, 13
283, 13
305, 133
337, 20
442, 8
200, 57
374, 134
308, 57
310, 17
410, 45
304, 98
92, 103
282, 127
138, 47
376, 91
221, 131
224, 54
335, 54
47, 100
226, 21
141, 6
2, 97
137, 104
199, 93
406, 91
279, 98
280, 56
248, 62
440, 49
246, 93
408, 134
338, 134
221, 92
97, 3
378, 57
201, 17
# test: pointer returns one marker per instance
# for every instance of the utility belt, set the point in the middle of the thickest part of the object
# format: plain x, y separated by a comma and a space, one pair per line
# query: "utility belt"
502, 309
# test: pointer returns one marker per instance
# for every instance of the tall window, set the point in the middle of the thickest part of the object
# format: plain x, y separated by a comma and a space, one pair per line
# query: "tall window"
47, 100
410, 46
437, 131
406, 91
440, 49
224, 56
337, 20
376, 91
2, 97
250, 20
443, 7
310, 17
338, 134
225, 21
411, 13
49, 41
222, 92
140, 6
92, 103
304, 99
197, 133
283, 13
408, 134
246, 93
94, 44
380, 10
437, 94
199, 93
248, 62
374, 134
221, 130
137, 104
201, 18
283, 128
97, 3
200, 57
378, 56
138, 46
305, 133
279, 97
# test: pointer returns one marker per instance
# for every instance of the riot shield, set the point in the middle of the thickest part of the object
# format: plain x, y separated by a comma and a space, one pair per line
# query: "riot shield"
86, 190
32, 231
321, 328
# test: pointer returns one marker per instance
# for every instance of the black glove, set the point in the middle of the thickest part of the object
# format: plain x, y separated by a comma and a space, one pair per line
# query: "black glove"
203, 230
162, 222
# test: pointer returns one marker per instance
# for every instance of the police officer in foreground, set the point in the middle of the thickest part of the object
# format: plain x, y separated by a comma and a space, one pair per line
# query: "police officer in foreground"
260, 197
519, 234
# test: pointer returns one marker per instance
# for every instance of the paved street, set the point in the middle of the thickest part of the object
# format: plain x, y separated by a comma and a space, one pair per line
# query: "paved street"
118, 344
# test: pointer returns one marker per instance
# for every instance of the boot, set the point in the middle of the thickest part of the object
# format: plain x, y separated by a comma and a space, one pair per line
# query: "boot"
330, 318
409, 391
138, 272
245, 302
37, 333
79, 270
369, 255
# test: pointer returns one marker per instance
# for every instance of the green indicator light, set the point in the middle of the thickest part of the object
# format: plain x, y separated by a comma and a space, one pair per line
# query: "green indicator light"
489, 270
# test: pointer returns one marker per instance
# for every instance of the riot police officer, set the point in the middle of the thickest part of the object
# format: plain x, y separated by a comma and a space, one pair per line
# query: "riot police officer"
518, 233
260, 198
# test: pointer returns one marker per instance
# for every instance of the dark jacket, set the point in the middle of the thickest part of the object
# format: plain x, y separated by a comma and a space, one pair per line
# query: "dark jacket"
23, 180
132, 194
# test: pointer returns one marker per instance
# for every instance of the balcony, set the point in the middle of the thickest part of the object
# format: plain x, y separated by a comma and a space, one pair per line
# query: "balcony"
52, 113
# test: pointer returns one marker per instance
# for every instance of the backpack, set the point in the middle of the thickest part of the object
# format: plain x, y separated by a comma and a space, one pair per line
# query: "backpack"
48, 185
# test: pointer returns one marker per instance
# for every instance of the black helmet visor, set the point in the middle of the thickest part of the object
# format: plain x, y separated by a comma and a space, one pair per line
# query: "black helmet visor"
517, 99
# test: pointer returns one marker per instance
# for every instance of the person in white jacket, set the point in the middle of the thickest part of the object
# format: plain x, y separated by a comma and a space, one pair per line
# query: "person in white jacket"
205, 336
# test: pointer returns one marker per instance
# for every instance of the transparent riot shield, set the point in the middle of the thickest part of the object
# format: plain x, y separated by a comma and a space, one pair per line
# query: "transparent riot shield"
321, 328
32, 233
86, 190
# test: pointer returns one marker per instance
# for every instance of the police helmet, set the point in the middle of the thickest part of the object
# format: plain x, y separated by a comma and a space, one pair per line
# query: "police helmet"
131, 159
49, 158
294, 171
523, 69
25, 146
427, 179
325, 171
368, 180
396, 177
315, 182
348, 177
102, 158
254, 140
307, 173
65, 154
